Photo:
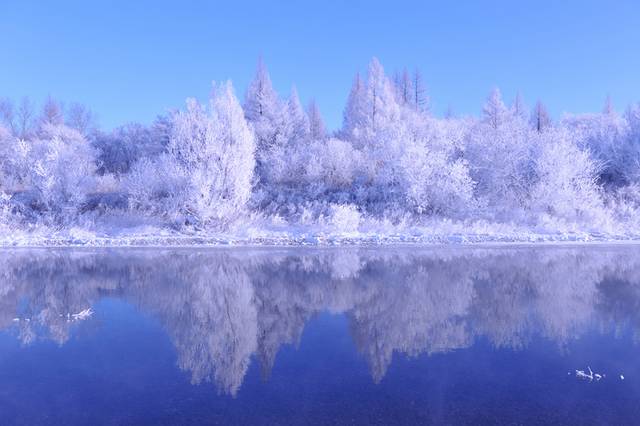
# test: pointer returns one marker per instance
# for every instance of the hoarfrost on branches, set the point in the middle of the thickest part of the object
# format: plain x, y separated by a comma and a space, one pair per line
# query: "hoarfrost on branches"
270, 162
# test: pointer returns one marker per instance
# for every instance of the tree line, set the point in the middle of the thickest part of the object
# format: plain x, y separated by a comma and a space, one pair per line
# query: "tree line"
210, 165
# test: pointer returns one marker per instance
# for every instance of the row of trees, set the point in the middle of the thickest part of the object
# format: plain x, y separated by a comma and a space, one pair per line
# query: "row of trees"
209, 165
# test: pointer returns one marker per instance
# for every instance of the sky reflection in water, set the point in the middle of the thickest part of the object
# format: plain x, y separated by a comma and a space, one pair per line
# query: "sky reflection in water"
304, 336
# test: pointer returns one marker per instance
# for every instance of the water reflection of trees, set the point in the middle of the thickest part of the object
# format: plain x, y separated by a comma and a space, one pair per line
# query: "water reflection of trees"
221, 307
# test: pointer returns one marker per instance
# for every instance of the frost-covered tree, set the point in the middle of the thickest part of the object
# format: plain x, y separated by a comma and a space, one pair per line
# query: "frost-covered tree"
121, 148
81, 118
317, 129
286, 160
265, 111
7, 115
61, 170
19, 120
406, 158
52, 113
6, 142
372, 106
494, 111
382, 107
378, 131
261, 100
633, 140
355, 109
605, 135
436, 178
391, 160
566, 180
500, 158
215, 149
297, 120
540, 119
25, 115
404, 88
333, 164
519, 108
157, 187
420, 100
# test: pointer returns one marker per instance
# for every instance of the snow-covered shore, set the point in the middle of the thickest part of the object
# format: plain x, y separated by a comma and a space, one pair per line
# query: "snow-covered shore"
303, 237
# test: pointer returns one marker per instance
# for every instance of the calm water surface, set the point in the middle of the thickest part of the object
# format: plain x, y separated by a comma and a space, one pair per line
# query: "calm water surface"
320, 336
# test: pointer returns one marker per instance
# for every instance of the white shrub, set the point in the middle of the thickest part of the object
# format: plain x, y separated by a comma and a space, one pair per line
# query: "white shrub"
156, 186
435, 181
344, 218
62, 167
566, 179
333, 162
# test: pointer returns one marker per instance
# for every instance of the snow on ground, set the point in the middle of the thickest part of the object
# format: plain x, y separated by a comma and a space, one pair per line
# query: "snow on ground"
283, 234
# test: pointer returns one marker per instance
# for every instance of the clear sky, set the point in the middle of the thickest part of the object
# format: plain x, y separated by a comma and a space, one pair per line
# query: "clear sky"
130, 60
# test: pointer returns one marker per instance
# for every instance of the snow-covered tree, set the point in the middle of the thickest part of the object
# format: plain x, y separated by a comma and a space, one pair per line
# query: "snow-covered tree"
208, 165
317, 129
25, 116
436, 178
371, 108
333, 164
494, 111
382, 107
121, 148
7, 115
420, 100
519, 108
605, 136
266, 113
566, 180
540, 119
355, 109
297, 120
62, 169
6, 142
81, 118
499, 154
215, 149
261, 100
404, 88
52, 113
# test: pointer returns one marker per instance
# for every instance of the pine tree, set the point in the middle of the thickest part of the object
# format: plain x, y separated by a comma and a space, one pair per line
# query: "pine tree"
420, 99
264, 110
494, 110
297, 120
518, 108
540, 119
403, 86
354, 113
51, 113
316, 123
381, 105
261, 100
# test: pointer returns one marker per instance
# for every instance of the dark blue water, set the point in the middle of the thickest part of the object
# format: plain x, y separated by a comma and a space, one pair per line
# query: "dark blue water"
334, 336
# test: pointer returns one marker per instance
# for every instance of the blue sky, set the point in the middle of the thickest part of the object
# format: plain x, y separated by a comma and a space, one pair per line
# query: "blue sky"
130, 60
